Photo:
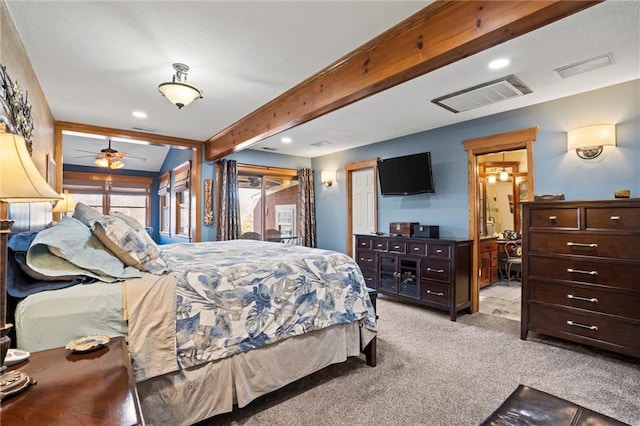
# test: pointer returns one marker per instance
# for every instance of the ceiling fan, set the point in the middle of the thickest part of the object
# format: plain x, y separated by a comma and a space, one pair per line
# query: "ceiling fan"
109, 158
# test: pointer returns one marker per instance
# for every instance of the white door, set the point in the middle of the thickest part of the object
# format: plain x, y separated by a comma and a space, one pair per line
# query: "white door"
362, 201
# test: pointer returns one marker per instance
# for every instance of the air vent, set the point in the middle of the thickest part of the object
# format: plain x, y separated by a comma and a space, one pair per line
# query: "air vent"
585, 66
141, 129
484, 94
266, 148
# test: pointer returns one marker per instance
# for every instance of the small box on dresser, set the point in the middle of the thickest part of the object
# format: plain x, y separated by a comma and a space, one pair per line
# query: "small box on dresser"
581, 263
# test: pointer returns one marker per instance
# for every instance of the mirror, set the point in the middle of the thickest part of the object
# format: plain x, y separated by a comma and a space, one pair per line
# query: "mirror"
503, 184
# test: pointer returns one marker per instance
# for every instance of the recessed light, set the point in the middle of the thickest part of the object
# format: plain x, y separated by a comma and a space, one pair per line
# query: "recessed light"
286, 139
499, 63
139, 114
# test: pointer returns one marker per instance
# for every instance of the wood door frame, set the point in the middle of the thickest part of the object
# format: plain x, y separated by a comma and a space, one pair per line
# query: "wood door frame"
510, 141
349, 168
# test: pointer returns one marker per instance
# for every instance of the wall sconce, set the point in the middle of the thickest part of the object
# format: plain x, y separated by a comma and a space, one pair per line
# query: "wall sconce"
327, 178
589, 141
177, 90
491, 179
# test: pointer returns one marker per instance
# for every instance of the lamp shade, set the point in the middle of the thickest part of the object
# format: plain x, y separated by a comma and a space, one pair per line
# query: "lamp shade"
179, 94
20, 181
66, 205
591, 136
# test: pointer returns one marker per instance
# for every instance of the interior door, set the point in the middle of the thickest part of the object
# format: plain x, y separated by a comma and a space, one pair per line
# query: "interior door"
362, 201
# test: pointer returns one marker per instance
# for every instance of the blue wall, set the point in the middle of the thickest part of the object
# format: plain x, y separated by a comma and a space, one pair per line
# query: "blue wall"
555, 169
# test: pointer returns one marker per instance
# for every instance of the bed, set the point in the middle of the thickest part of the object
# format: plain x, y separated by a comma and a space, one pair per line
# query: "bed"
209, 325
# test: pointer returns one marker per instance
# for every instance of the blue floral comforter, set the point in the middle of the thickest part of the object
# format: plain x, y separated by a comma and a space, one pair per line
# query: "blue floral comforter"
233, 296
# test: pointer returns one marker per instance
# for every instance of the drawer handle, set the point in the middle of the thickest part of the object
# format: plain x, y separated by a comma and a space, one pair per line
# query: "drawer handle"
435, 270
396, 247
592, 245
435, 293
584, 299
368, 279
578, 271
553, 217
439, 251
364, 259
396, 274
577, 324
416, 249
615, 217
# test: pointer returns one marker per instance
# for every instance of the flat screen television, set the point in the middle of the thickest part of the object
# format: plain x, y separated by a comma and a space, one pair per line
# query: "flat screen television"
409, 174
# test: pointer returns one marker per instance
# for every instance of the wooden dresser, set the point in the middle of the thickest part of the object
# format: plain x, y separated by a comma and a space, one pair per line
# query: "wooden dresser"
581, 272
432, 272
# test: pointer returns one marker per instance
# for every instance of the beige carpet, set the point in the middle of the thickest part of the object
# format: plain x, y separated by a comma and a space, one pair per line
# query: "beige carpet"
432, 371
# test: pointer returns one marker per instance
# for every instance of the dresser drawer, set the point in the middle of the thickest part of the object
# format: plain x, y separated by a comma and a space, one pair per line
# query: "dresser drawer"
364, 243
399, 247
366, 259
568, 218
570, 321
436, 270
612, 218
586, 244
585, 271
487, 245
439, 250
370, 276
419, 249
434, 292
380, 245
586, 297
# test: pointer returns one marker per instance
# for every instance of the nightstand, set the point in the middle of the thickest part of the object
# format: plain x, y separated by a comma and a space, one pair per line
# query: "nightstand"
94, 388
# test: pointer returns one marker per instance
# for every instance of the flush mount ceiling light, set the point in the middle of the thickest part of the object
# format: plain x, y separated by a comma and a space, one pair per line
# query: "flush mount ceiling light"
178, 91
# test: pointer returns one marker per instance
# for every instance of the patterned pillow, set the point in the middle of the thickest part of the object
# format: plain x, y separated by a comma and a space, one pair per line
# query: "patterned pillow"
133, 246
85, 214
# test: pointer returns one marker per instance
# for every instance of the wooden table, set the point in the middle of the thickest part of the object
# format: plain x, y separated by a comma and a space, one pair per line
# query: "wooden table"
94, 388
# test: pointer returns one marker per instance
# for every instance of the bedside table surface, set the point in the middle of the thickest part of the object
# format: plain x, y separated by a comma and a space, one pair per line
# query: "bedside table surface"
90, 388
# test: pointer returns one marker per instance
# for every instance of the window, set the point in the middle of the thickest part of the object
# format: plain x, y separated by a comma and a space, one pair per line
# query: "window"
130, 195
165, 203
182, 194
268, 200
286, 219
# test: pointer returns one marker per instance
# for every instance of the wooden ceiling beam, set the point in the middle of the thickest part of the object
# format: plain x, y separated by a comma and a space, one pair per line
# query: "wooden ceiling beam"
438, 35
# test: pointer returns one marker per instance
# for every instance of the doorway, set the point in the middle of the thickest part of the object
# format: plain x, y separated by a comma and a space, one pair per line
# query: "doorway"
478, 227
363, 171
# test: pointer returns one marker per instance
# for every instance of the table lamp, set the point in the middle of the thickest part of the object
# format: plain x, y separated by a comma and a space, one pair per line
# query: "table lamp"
20, 182
66, 205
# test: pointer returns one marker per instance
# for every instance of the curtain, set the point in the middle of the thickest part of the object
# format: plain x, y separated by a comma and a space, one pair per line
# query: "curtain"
228, 220
306, 208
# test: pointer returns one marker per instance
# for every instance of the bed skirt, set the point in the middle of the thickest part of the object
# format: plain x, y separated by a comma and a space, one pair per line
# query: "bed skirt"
214, 387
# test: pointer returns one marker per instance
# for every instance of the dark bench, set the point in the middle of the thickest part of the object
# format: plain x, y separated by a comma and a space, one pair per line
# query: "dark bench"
529, 406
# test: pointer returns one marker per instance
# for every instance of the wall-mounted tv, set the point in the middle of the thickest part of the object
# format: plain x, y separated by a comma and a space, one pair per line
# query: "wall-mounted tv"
409, 174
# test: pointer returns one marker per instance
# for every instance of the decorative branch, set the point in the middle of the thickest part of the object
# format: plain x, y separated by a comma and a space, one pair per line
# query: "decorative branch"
16, 111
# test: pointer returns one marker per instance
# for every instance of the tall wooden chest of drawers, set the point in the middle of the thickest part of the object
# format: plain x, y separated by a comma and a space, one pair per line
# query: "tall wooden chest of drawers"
427, 271
581, 272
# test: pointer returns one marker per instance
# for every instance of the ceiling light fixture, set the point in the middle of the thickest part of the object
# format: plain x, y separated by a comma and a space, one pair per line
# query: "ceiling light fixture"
286, 139
178, 91
139, 114
504, 175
